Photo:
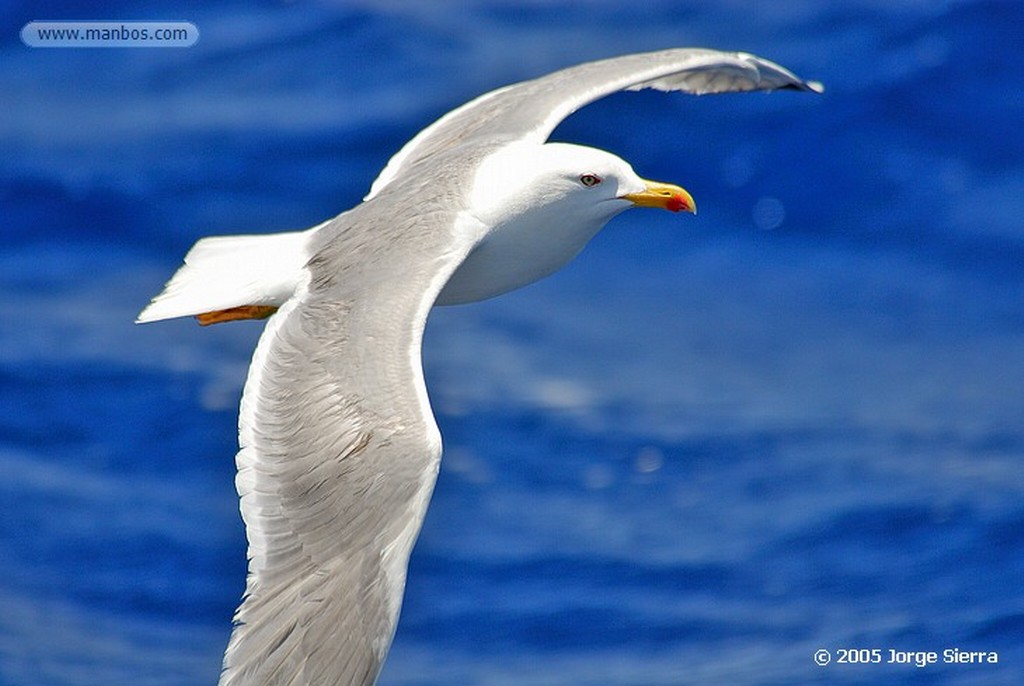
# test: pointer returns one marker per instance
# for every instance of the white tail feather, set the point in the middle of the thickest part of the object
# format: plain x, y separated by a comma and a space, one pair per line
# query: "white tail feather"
222, 272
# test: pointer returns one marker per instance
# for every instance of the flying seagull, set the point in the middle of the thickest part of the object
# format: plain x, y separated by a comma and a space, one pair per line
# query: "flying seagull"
339, 450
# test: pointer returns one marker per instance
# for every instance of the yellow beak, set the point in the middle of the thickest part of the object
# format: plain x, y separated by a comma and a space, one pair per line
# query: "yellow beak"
664, 195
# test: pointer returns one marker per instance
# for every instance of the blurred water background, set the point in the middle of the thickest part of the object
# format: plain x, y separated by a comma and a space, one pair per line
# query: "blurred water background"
707, 449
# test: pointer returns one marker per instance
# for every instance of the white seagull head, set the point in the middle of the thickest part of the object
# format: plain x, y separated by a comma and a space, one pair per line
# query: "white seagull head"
541, 204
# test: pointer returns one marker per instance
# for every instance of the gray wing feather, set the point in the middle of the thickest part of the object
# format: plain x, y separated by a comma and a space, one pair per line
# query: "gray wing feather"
339, 450
531, 110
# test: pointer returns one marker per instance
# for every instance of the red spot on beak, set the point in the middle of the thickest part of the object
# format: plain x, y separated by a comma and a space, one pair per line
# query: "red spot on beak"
676, 203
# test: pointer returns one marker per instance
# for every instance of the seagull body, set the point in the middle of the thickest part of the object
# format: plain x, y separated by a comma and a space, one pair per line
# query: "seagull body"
339, 450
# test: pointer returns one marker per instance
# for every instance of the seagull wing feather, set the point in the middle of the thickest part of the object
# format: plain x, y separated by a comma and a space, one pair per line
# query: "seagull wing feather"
531, 110
339, 449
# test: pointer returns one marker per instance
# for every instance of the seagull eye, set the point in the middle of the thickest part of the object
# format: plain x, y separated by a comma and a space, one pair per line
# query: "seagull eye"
589, 180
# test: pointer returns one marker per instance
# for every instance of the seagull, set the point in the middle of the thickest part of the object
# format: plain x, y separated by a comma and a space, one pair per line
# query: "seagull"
338, 447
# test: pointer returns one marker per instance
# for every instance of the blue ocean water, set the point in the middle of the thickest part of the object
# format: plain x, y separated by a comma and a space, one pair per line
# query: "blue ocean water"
706, 450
